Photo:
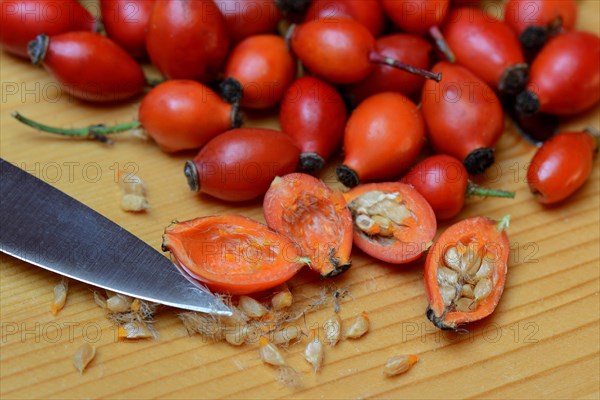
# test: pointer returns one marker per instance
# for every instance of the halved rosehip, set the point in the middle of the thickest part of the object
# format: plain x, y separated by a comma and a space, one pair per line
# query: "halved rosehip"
465, 271
306, 210
392, 221
233, 254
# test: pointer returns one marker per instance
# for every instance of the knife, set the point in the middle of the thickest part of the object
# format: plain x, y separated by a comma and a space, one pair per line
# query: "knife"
45, 227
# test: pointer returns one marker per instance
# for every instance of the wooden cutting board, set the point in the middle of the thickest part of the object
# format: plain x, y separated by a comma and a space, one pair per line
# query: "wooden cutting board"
542, 341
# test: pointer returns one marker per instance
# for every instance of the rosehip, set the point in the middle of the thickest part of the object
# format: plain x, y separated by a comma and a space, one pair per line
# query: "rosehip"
181, 115
565, 76
21, 21
187, 39
383, 137
240, 164
341, 51
314, 115
89, 66
262, 68
366, 12
126, 22
487, 47
535, 20
464, 117
562, 165
410, 49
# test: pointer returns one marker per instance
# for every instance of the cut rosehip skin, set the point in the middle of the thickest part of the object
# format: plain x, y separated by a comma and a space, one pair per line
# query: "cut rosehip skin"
392, 221
233, 254
303, 208
465, 271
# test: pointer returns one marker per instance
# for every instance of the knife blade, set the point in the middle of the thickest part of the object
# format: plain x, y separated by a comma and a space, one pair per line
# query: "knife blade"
45, 227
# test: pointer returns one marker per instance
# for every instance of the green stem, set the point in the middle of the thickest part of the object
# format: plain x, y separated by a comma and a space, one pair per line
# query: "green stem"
475, 190
93, 131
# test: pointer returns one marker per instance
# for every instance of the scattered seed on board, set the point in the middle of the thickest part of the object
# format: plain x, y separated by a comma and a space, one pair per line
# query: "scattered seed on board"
332, 327
282, 299
285, 335
251, 307
269, 353
359, 327
135, 330
313, 353
83, 355
399, 364
134, 192
118, 303
236, 318
236, 335
60, 296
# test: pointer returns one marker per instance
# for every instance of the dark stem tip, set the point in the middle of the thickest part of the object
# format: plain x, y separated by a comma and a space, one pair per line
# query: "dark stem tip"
337, 270
479, 160
514, 79
437, 321
231, 90
163, 246
533, 37
191, 174
96, 132
37, 48
237, 119
311, 162
527, 103
347, 176
292, 6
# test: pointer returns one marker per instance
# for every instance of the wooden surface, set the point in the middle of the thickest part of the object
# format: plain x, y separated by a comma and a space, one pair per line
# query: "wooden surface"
542, 341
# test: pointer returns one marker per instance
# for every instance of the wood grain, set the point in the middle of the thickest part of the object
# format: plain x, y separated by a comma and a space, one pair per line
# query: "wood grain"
542, 341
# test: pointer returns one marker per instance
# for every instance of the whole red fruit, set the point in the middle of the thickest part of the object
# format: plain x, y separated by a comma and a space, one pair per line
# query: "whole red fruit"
336, 50
410, 49
416, 16
314, 115
521, 14
561, 166
463, 115
442, 180
264, 68
22, 20
248, 18
383, 137
366, 12
240, 164
183, 114
187, 39
564, 77
89, 66
126, 22
487, 47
